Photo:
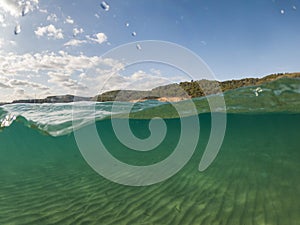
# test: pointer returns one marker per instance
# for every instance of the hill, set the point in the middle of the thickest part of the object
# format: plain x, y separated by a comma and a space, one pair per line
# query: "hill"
192, 89
54, 99
171, 92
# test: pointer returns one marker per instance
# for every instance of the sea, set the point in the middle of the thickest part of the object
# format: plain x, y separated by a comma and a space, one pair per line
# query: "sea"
254, 179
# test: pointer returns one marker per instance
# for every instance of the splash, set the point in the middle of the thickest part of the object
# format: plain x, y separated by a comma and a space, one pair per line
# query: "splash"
8, 120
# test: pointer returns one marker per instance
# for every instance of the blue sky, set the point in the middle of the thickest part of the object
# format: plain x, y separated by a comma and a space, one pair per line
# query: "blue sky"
61, 41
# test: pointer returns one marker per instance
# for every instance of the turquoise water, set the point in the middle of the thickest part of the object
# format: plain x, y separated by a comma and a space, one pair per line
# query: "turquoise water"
253, 180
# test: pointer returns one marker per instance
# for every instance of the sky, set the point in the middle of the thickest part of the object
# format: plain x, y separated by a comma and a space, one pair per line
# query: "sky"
52, 47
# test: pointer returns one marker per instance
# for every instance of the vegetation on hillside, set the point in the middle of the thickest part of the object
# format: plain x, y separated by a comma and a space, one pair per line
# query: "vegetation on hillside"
192, 89
183, 90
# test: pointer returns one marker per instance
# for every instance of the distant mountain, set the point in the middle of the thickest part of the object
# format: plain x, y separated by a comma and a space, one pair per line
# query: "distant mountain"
54, 99
185, 90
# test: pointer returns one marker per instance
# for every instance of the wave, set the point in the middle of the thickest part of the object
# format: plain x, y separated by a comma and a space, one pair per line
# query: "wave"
62, 118
281, 95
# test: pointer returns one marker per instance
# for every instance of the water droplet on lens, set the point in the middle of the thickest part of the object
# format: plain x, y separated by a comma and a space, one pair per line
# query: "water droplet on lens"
25, 10
127, 24
282, 11
133, 34
138, 47
104, 6
294, 7
17, 29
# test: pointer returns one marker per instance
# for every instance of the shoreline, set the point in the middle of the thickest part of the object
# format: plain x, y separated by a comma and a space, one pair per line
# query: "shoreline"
184, 91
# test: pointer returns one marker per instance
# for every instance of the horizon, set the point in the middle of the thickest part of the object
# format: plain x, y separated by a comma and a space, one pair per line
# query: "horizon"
92, 96
52, 48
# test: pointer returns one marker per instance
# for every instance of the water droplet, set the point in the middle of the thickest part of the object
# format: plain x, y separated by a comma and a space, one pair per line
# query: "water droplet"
203, 42
257, 91
282, 11
294, 7
105, 6
133, 33
127, 24
17, 29
25, 10
138, 47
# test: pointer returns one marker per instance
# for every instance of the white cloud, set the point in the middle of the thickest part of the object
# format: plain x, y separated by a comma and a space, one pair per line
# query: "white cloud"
6, 43
65, 81
2, 85
1, 42
155, 72
2, 18
98, 38
19, 92
82, 75
13, 64
142, 80
52, 17
43, 10
62, 73
139, 75
139, 80
58, 76
17, 86
11, 7
50, 31
18, 8
69, 20
75, 42
26, 83
77, 31
3, 79
4, 82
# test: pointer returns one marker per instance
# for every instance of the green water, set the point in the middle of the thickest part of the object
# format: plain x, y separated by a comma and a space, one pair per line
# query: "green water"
254, 179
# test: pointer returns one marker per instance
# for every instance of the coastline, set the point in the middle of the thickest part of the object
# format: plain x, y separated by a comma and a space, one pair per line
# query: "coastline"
168, 93
162, 99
